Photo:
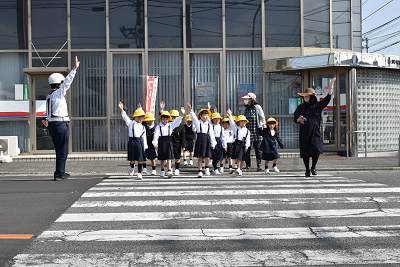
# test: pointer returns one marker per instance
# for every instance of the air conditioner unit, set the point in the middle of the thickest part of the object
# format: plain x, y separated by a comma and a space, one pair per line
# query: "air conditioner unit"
9, 145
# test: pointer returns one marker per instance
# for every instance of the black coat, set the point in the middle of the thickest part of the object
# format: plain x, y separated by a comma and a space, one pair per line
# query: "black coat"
268, 144
310, 134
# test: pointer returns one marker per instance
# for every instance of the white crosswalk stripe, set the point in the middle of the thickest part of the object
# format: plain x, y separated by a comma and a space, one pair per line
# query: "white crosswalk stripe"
121, 222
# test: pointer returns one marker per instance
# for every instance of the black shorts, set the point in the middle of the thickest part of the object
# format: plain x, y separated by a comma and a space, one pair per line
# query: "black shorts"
229, 151
190, 145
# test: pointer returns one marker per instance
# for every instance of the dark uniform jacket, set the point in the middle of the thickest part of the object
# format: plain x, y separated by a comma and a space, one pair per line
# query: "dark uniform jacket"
188, 135
310, 134
268, 144
177, 136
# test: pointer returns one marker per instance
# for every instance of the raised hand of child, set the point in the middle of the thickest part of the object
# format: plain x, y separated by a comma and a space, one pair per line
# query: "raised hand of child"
183, 111
162, 105
139, 106
189, 106
215, 109
228, 112
209, 105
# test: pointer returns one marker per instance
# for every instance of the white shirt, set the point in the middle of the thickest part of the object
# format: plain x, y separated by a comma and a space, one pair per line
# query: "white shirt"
191, 125
228, 135
241, 132
58, 101
163, 129
139, 129
204, 128
219, 132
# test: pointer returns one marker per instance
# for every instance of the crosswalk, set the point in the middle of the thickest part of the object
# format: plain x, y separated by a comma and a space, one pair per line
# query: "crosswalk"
253, 220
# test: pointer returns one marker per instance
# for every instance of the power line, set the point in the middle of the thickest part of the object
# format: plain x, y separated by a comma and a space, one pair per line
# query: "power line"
377, 10
383, 25
386, 46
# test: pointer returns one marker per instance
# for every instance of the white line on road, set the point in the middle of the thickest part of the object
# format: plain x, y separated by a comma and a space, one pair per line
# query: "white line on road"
374, 190
223, 234
120, 188
204, 258
226, 215
211, 202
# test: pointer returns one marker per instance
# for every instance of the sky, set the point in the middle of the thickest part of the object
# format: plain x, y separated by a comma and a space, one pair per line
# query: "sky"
389, 10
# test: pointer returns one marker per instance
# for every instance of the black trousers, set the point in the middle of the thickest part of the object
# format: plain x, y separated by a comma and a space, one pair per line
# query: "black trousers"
59, 132
256, 145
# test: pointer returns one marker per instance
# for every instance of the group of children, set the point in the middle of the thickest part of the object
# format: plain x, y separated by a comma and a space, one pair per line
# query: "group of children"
204, 135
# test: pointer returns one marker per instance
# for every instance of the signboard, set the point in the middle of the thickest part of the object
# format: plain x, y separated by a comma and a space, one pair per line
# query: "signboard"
244, 89
293, 104
151, 94
205, 92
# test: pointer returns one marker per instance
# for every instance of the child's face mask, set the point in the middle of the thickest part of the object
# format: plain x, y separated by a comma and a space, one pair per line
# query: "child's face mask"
245, 101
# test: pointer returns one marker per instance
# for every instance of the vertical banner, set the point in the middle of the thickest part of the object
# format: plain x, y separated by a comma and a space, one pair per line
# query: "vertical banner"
151, 94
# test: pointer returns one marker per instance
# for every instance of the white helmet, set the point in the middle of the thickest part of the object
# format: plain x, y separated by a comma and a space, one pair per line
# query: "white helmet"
56, 78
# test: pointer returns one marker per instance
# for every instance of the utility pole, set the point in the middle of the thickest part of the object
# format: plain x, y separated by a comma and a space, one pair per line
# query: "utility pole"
366, 44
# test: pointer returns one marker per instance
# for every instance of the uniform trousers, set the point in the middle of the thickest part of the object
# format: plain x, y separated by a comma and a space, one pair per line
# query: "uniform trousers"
59, 132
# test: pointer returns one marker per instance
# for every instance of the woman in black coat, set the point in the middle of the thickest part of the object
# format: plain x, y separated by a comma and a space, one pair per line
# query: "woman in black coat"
308, 115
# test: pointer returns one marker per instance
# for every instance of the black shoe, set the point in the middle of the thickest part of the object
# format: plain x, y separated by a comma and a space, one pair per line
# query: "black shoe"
62, 178
314, 172
308, 173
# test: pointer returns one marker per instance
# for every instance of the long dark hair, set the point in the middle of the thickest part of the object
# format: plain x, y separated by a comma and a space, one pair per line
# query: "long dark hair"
275, 129
313, 100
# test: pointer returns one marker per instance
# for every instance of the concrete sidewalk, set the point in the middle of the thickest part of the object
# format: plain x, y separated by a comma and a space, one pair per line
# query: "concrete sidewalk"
116, 164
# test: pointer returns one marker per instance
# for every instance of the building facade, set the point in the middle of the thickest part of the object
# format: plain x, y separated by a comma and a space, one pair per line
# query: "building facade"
212, 51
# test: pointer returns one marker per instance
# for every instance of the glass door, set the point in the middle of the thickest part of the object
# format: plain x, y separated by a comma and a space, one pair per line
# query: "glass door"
205, 73
333, 121
43, 142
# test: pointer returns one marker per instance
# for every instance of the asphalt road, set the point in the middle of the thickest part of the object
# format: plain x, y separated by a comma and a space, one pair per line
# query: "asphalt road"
343, 218
29, 205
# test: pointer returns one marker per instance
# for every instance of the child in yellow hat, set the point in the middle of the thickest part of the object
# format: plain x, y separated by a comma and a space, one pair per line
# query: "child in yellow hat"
270, 135
188, 136
150, 151
220, 148
163, 140
137, 140
177, 141
242, 140
205, 142
228, 132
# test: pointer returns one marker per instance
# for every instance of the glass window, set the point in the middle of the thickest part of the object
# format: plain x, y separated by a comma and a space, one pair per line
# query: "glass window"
204, 80
88, 24
243, 75
282, 23
11, 65
164, 18
13, 25
341, 27
281, 102
127, 82
49, 23
243, 23
126, 24
204, 23
316, 23
89, 135
49, 59
89, 89
168, 67
119, 135
357, 40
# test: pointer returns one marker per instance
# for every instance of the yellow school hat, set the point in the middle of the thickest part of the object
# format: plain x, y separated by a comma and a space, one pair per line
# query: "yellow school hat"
138, 113
165, 113
204, 109
174, 113
216, 115
187, 118
234, 117
149, 117
242, 118
272, 119
225, 120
